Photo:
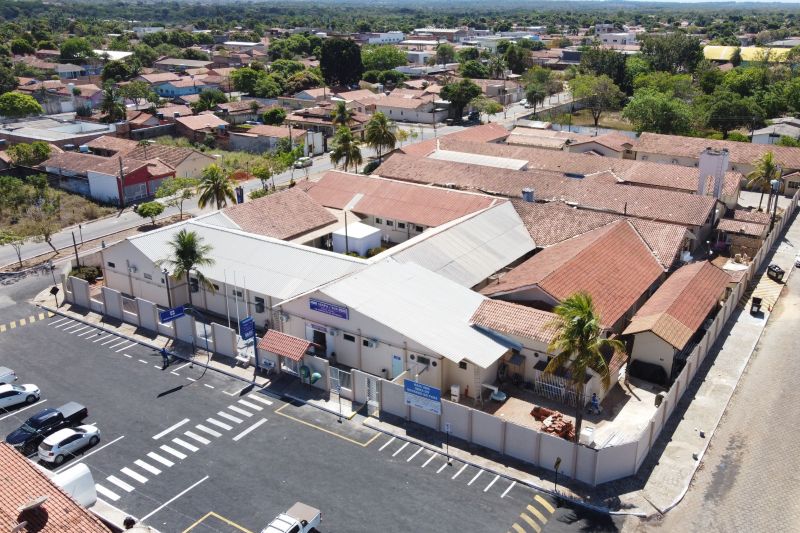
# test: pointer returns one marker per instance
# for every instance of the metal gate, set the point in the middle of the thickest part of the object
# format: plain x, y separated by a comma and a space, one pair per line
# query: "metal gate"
373, 398
339, 379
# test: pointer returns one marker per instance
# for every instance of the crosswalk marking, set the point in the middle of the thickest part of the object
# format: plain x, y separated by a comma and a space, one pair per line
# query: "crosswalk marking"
400, 449
251, 405
133, 475
459, 472
259, 398
414, 454
489, 486
471, 481
2, 328
232, 418
208, 430
248, 430
163, 460
21, 322
508, 489
545, 504
518, 528
240, 411
219, 424
173, 451
41, 316
12, 325
119, 483
195, 436
385, 444
105, 492
190, 447
434, 454
147, 466
531, 522
534, 511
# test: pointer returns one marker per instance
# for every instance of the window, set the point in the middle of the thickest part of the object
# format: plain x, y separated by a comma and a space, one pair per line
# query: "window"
349, 338
401, 225
259, 304
111, 265
389, 223
793, 184
148, 276
378, 220
236, 293
418, 228
462, 365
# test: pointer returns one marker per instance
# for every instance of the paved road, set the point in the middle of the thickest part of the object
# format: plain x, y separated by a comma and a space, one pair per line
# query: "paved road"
179, 444
750, 476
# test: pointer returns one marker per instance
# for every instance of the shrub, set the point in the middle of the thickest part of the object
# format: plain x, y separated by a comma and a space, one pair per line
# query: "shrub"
370, 167
375, 251
88, 273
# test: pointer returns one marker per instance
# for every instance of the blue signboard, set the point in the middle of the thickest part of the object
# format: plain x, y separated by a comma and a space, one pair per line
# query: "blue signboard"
171, 314
247, 328
423, 396
338, 311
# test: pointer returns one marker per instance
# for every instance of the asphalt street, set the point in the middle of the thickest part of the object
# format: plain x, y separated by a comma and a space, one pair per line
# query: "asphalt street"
192, 451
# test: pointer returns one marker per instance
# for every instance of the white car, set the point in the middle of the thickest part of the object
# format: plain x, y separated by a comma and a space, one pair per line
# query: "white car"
64, 442
11, 395
7, 375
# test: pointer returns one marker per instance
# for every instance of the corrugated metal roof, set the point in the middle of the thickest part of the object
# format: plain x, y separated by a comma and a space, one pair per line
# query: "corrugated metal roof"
271, 267
719, 53
478, 159
425, 307
472, 248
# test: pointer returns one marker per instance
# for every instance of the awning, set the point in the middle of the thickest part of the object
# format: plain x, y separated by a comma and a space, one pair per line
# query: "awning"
284, 345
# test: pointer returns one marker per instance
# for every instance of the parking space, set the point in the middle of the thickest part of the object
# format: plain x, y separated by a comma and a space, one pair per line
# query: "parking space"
328, 423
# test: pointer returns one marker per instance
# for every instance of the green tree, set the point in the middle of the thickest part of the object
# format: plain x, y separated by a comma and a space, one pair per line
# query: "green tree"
137, 92
21, 47
382, 57
766, 170
116, 71
208, 100
658, 112
746, 81
603, 61
42, 221
111, 105
15, 105
675, 85
517, 58
15, 240
175, 191
672, 52
29, 155
579, 346
597, 93
474, 69
535, 93
380, 134
725, 111
274, 116
469, 53
215, 187
635, 65
341, 115
145, 54
8, 81
459, 94
150, 210
76, 49
708, 76
188, 254
445, 53
482, 104
787, 141
245, 79
286, 68
341, 62
269, 86
497, 67
346, 149
268, 167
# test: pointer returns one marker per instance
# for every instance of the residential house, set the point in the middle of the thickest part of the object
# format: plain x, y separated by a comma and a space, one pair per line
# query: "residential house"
185, 86
608, 145
69, 71
170, 64
423, 111
186, 162
779, 127
240, 111
320, 119
157, 78
197, 127
62, 130
264, 138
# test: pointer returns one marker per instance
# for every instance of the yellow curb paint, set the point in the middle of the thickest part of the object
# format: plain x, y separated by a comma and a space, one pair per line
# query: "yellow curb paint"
220, 518
41, 316
21, 322
2, 328
531, 522
12, 325
534, 511
348, 439
545, 504
518, 528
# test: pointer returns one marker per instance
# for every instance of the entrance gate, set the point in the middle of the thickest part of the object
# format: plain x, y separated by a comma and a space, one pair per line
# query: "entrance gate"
373, 398
339, 379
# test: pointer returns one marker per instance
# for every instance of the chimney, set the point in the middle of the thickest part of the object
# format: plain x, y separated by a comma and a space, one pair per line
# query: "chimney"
713, 163
527, 195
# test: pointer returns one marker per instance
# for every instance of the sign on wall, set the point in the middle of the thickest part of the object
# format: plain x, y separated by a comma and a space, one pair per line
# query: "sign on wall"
423, 396
338, 311
171, 314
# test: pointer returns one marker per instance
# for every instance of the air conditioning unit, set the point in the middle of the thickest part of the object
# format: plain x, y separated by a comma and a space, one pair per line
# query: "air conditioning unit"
333, 332
371, 343
284, 317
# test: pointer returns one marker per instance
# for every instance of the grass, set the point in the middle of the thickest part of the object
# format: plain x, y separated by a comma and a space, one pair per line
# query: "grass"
75, 209
228, 160
609, 119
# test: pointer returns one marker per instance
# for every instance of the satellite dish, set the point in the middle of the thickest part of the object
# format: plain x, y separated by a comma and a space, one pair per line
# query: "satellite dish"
33, 504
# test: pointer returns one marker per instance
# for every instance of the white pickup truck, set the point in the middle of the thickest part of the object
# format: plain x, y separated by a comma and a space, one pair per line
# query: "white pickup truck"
300, 518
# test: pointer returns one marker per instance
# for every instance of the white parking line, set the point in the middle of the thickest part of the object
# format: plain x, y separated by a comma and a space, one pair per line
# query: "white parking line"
67, 323
208, 430
117, 344
105, 492
232, 418
133, 475
164, 461
78, 329
182, 366
489, 486
259, 398
442, 467
471, 481
158, 367
112, 339
119, 483
147, 466
459, 472
190, 447
143, 361
173, 372
131, 345
414, 455
251, 405
106, 445
72, 326
40, 402
57, 321
508, 489
240, 411
92, 330
433, 454
385, 444
157, 509
191, 379
400, 449
103, 335
128, 356
230, 393
248, 430
219, 424
207, 385
195, 436
171, 428
173, 451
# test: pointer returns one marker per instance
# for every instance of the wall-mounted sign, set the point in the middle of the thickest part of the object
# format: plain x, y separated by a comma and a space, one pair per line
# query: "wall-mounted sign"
422, 396
338, 311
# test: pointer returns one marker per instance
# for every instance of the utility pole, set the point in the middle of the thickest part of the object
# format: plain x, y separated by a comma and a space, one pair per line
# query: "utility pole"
75, 246
122, 185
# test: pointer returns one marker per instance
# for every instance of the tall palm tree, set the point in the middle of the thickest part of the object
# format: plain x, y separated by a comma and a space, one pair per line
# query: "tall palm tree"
112, 104
341, 116
765, 171
188, 253
215, 186
144, 144
380, 133
346, 148
578, 346
497, 67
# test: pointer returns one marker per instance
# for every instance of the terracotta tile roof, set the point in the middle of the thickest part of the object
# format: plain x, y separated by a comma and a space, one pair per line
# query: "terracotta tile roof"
418, 204
171, 155
159, 77
169, 111
665, 240
21, 482
283, 215
112, 144
284, 345
515, 319
742, 153
158, 168
201, 122
110, 165
751, 215
752, 229
679, 307
279, 132
402, 103
85, 91
75, 162
612, 263
140, 117
554, 222
614, 141
239, 106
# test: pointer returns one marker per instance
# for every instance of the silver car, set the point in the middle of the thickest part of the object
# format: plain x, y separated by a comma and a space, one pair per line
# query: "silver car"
7, 375
11, 395
64, 442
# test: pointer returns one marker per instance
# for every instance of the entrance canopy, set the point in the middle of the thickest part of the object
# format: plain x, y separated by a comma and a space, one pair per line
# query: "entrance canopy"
284, 345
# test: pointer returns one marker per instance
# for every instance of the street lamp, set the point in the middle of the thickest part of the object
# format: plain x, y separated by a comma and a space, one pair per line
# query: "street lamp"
166, 280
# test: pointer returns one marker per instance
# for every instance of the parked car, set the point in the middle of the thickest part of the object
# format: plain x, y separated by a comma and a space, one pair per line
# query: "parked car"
64, 442
303, 162
11, 395
300, 518
46, 422
474, 115
7, 375
523, 101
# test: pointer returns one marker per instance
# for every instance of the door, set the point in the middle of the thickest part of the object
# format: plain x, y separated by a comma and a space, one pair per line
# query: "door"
70, 444
321, 341
290, 365
373, 400
397, 365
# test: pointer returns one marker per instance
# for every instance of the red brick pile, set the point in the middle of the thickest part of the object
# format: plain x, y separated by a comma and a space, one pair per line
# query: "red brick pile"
558, 426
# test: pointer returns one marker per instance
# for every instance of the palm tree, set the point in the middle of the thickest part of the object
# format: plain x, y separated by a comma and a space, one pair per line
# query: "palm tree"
345, 148
341, 116
765, 171
578, 346
380, 133
143, 144
497, 67
112, 104
535, 94
215, 186
188, 253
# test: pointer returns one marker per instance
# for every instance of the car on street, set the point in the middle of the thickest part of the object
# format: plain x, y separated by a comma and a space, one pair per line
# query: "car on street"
523, 101
11, 395
300, 518
7, 375
68, 441
46, 422
303, 162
